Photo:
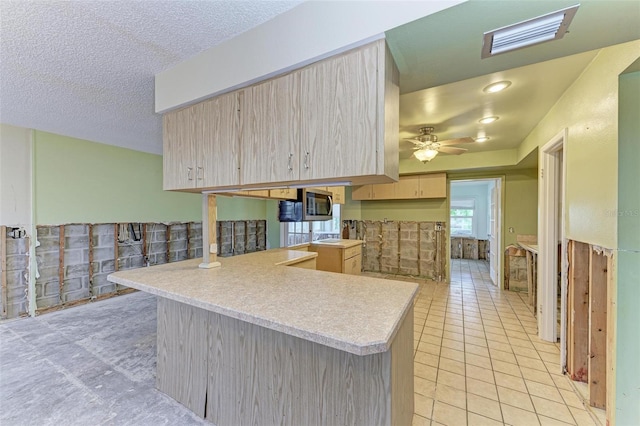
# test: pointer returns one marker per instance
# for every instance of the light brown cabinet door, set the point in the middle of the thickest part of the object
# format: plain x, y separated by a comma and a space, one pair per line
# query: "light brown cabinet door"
179, 149
338, 102
284, 193
353, 266
270, 137
383, 191
338, 194
361, 192
433, 185
218, 121
408, 187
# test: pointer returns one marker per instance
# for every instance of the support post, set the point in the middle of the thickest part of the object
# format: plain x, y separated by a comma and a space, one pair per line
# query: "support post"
578, 312
3, 269
209, 245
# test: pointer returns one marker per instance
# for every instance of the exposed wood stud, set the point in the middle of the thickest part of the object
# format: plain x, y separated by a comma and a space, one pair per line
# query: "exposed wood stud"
144, 244
418, 246
90, 259
578, 311
3, 269
598, 330
168, 238
61, 265
188, 239
115, 247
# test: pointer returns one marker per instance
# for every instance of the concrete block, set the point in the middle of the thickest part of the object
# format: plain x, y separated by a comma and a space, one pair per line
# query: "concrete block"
76, 241
16, 308
16, 293
48, 245
16, 279
136, 262
17, 246
106, 289
72, 284
158, 248
46, 302
80, 270
17, 262
103, 253
178, 245
74, 256
76, 230
108, 265
51, 288
176, 256
76, 295
128, 250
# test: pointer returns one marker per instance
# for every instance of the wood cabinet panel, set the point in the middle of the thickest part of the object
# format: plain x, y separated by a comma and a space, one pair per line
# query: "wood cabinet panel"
338, 194
179, 150
383, 191
339, 100
408, 187
433, 185
353, 265
361, 192
270, 139
284, 193
218, 121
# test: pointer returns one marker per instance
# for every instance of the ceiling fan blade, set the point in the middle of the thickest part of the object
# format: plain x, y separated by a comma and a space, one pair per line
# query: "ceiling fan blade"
451, 150
415, 141
456, 141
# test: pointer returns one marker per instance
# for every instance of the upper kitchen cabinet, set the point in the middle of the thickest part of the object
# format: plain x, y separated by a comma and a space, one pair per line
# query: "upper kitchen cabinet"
349, 117
179, 149
219, 150
201, 145
270, 131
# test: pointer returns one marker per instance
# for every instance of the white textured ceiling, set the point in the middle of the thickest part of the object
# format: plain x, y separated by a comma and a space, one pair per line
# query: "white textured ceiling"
86, 68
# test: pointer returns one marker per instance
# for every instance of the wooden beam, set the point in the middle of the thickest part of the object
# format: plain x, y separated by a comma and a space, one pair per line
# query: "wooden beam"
168, 239
115, 247
578, 312
144, 244
188, 239
209, 219
598, 330
3, 269
61, 265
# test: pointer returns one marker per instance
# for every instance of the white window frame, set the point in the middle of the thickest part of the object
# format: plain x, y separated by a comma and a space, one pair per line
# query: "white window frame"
314, 229
464, 204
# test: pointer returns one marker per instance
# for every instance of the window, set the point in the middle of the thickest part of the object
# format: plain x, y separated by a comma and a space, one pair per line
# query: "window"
303, 232
462, 217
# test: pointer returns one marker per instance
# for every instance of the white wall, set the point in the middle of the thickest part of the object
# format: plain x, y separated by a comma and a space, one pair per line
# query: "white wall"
478, 191
15, 176
306, 33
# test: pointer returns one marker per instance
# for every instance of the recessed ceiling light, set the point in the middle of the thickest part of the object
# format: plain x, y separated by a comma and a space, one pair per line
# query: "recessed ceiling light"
551, 26
487, 120
482, 139
497, 87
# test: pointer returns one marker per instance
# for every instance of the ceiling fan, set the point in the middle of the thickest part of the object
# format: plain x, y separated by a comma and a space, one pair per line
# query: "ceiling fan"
427, 145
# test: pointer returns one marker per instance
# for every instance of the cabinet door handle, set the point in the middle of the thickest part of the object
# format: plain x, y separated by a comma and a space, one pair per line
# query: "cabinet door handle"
289, 167
306, 160
190, 173
200, 173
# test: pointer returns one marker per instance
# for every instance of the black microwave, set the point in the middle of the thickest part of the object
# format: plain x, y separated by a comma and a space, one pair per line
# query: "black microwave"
311, 204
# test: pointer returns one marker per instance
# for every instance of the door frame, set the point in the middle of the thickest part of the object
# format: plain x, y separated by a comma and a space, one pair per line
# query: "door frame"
549, 214
501, 201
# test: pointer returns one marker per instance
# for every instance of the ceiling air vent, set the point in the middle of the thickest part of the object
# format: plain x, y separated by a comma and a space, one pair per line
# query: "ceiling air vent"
551, 26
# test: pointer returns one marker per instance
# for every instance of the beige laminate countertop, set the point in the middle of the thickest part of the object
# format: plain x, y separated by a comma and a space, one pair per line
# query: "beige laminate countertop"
352, 313
336, 242
533, 248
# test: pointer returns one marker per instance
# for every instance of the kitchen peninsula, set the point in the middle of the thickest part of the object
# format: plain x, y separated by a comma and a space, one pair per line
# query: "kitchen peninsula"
257, 342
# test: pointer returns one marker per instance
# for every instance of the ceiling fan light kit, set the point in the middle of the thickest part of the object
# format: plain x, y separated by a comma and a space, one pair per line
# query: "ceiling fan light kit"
427, 145
551, 26
482, 139
425, 155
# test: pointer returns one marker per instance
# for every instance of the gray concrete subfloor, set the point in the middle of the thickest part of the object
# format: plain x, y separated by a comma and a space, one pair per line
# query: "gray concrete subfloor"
89, 365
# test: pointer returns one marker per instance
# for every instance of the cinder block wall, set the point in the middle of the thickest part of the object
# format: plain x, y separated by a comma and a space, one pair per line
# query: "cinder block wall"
73, 260
403, 248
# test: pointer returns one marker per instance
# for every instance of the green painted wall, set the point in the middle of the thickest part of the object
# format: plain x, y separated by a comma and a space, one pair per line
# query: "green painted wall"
589, 110
87, 182
628, 254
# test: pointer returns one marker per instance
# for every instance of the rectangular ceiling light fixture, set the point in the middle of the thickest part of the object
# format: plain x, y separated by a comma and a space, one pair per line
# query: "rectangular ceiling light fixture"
551, 26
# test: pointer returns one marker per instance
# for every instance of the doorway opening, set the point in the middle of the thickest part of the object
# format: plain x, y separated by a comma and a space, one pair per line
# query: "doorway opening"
552, 257
475, 222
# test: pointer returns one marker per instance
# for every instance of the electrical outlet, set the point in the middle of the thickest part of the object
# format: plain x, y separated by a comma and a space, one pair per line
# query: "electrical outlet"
511, 230
438, 227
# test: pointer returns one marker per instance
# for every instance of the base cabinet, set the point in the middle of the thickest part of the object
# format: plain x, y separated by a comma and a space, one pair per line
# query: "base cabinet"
332, 258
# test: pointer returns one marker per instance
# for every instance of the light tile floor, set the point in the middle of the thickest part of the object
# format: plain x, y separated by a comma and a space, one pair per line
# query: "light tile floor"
478, 360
